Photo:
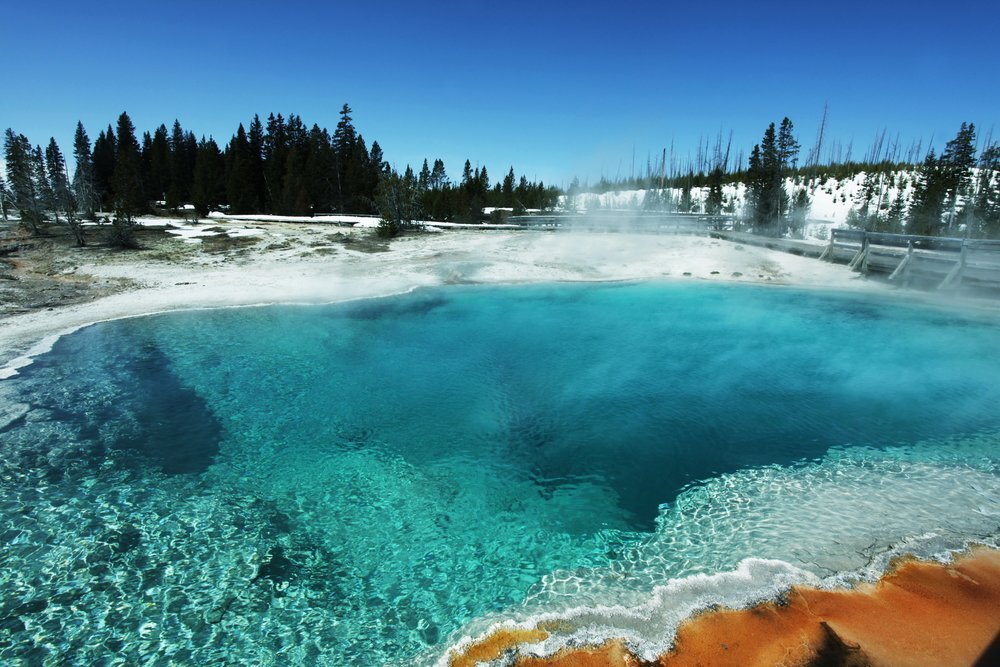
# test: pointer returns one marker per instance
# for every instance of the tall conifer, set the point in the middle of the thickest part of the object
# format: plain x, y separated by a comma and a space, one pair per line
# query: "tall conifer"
62, 198
21, 173
105, 152
255, 139
208, 185
84, 187
41, 178
63, 195
127, 185
159, 165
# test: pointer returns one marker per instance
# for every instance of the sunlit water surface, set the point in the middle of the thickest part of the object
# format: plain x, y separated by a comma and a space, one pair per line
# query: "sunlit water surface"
366, 483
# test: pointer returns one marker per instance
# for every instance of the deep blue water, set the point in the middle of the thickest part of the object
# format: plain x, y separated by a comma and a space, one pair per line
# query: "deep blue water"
357, 482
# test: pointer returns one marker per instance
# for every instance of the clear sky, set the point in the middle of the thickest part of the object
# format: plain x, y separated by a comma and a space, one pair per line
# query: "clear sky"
554, 89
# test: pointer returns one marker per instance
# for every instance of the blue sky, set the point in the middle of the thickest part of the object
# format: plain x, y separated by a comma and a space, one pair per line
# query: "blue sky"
554, 89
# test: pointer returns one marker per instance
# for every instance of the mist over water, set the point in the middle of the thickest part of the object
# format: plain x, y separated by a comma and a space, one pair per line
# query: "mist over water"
362, 482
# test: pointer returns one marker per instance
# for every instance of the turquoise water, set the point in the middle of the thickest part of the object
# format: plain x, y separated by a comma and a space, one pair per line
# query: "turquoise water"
367, 483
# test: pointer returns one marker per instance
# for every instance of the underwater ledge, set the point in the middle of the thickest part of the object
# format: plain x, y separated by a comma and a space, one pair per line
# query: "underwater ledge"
920, 613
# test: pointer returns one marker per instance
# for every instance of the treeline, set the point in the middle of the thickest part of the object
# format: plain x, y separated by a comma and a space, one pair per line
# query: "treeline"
949, 192
954, 193
404, 198
280, 166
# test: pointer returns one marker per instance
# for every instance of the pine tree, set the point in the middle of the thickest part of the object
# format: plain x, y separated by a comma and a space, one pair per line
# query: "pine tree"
319, 168
771, 203
896, 215
956, 164
435, 202
145, 155
84, 187
375, 168
105, 150
275, 154
296, 131
295, 196
756, 181
127, 186
55, 167
258, 184
471, 196
439, 179
927, 200
940, 182
21, 174
348, 168
398, 203
377, 159
424, 182
239, 182
362, 198
181, 174
507, 189
190, 157
685, 204
5, 199
159, 165
865, 218
63, 195
41, 178
345, 135
987, 199
788, 147
800, 205
208, 185
713, 203
769, 162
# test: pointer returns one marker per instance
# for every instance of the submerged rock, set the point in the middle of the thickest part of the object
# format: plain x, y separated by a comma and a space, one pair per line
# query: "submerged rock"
126, 539
12, 413
277, 568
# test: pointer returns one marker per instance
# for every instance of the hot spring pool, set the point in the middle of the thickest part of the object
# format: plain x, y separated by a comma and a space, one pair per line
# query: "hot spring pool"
367, 483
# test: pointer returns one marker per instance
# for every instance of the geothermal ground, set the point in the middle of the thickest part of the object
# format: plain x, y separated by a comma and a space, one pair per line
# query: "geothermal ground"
47, 286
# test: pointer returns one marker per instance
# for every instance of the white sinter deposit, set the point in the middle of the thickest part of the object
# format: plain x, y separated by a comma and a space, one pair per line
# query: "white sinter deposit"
309, 263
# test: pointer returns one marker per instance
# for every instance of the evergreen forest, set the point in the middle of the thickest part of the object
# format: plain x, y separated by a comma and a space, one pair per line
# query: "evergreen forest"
278, 166
282, 166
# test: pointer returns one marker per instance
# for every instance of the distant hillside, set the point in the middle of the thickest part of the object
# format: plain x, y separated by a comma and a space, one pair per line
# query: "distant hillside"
832, 200
954, 193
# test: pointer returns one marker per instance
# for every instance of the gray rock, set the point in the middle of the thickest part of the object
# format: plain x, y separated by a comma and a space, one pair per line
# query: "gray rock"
11, 413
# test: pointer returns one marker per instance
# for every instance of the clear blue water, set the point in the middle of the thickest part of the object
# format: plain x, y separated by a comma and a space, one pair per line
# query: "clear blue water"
365, 483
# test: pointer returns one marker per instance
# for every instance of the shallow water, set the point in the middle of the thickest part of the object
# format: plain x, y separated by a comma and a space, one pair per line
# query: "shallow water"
367, 482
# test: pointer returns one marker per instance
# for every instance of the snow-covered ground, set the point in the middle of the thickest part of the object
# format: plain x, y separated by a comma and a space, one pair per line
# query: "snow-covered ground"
359, 221
830, 200
328, 219
195, 233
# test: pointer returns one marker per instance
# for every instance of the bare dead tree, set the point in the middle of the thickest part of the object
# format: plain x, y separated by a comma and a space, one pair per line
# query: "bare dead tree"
818, 146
